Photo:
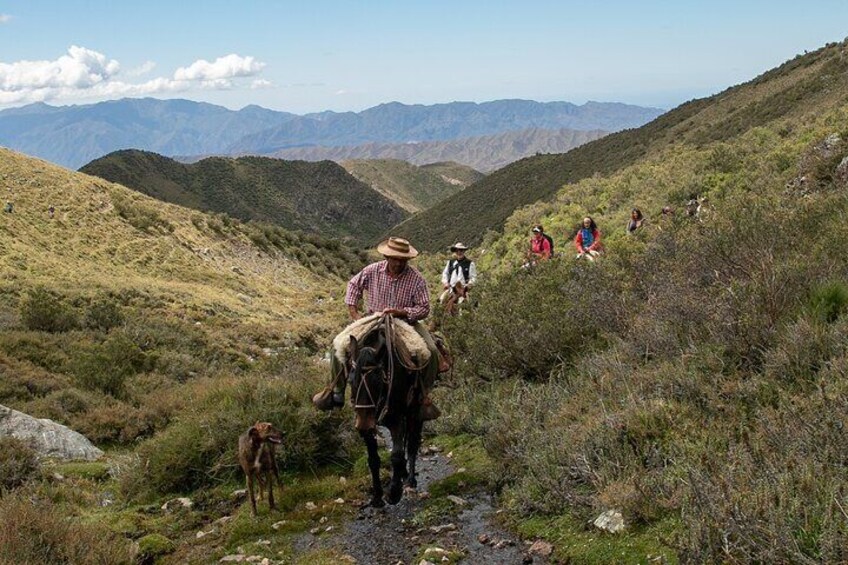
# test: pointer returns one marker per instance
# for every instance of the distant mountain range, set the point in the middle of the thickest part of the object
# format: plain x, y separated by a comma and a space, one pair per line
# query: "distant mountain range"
320, 198
74, 135
483, 153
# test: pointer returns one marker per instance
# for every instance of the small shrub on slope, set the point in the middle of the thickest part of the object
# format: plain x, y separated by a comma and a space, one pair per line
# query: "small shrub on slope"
35, 532
18, 463
200, 448
42, 310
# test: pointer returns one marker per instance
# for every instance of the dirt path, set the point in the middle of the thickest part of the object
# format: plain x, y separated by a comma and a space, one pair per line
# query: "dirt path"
390, 535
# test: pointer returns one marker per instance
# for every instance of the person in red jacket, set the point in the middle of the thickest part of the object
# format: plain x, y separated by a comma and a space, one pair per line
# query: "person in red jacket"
540, 247
588, 240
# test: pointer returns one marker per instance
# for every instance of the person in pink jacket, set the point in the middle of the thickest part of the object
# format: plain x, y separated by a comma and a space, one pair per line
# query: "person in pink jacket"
588, 240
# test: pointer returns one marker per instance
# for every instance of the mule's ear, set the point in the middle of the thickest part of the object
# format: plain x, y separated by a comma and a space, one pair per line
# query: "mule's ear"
352, 349
381, 342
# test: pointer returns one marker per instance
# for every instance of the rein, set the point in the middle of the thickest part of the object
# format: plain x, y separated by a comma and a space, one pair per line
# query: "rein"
386, 325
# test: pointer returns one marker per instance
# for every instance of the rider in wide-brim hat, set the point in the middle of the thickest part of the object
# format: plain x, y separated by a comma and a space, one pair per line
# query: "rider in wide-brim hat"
397, 247
390, 287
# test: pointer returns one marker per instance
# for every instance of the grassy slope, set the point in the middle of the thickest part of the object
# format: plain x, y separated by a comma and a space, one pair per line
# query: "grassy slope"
315, 197
413, 188
809, 81
699, 386
88, 246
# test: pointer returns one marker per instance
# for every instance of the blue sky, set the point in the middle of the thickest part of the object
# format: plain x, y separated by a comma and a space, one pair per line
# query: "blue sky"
350, 55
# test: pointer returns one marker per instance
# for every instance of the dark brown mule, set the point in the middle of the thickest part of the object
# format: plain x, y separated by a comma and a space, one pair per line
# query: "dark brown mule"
385, 391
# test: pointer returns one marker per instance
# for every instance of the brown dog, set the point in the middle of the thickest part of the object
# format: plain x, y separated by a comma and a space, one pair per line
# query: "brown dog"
256, 457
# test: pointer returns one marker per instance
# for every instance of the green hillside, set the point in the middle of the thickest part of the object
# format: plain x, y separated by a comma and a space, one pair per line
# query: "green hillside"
413, 188
160, 333
692, 378
805, 85
314, 197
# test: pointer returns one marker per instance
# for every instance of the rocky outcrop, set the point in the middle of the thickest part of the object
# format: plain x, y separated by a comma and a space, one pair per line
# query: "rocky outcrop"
46, 437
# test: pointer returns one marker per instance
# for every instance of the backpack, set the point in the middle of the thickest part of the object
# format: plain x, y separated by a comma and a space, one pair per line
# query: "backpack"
465, 264
551, 241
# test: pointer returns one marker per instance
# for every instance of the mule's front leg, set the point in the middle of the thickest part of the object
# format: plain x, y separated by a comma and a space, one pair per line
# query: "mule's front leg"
398, 464
370, 438
413, 442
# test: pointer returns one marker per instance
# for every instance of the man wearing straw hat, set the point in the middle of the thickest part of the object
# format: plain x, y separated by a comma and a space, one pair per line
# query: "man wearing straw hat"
459, 274
395, 288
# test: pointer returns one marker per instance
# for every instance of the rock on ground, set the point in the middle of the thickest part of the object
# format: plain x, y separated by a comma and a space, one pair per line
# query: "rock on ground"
46, 437
610, 521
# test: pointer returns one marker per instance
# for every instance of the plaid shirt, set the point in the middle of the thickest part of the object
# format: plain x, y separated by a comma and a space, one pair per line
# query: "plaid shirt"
407, 291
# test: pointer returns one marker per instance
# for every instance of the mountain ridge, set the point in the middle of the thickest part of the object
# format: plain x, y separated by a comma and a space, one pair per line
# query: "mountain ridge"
313, 197
483, 153
74, 135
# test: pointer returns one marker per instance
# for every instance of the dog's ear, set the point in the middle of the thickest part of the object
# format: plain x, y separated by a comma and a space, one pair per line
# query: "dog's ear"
253, 432
352, 349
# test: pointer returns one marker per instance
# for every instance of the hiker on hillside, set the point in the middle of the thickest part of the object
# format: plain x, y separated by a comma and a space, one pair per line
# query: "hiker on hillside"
8, 208
458, 276
636, 220
588, 240
51, 211
541, 247
394, 288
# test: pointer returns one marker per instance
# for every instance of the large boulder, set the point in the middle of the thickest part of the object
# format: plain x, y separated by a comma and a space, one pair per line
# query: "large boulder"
46, 437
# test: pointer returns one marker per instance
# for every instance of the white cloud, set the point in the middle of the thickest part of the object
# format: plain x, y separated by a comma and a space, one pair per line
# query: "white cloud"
84, 73
142, 69
261, 83
227, 67
80, 68
5, 18
341, 92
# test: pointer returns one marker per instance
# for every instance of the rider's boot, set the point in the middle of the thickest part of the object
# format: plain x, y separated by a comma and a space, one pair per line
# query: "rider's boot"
429, 411
329, 398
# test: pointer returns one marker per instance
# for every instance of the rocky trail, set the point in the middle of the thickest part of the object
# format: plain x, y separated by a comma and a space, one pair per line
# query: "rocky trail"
393, 536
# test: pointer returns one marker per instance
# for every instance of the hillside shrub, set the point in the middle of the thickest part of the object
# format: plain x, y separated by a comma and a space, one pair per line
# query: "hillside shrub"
829, 301
43, 310
104, 313
18, 463
536, 320
139, 215
105, 367
33, 532
199, 449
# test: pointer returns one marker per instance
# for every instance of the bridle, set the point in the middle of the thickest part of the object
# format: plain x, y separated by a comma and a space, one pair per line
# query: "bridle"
363, 383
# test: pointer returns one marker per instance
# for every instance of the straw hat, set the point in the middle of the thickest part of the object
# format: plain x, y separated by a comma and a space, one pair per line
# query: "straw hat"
458, 246
397, 247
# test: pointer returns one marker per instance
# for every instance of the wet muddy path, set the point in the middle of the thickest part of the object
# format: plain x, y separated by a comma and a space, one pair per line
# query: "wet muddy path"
392, 535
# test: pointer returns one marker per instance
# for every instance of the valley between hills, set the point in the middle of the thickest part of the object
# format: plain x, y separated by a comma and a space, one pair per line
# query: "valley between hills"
682, 399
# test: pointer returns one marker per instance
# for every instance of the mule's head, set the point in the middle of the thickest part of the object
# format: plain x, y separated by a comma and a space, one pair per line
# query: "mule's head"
368, 382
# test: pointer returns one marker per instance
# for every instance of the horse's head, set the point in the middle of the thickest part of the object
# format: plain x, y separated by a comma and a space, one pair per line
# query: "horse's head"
368, 381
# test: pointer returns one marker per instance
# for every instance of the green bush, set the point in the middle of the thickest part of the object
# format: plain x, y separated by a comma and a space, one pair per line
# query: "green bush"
199, 449
537, 320
18, 463
105, 367
152, 546
34, 532
104, 313
829, 301
140, 215
43, 310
